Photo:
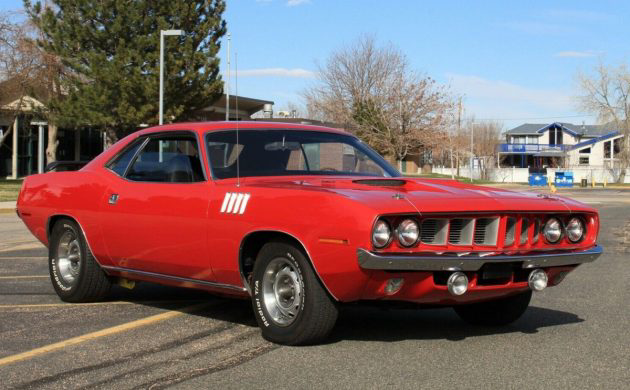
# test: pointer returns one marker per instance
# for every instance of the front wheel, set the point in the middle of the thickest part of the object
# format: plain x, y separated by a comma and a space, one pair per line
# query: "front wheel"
495, 313
290, 304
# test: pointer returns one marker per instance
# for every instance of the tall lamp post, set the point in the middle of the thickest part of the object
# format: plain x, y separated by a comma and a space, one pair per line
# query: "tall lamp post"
472, 153
162, 34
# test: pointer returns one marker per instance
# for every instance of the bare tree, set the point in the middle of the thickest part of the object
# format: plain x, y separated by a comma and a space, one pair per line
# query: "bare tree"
372, 91
26, 70
486, 138
607, 94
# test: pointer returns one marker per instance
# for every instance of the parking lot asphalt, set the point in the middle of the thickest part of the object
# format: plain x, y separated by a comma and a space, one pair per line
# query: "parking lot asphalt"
575, 335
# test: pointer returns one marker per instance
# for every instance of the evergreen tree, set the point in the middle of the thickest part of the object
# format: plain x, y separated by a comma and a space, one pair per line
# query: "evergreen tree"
111, 51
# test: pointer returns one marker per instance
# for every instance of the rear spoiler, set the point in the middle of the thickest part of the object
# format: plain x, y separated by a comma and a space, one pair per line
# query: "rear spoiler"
64, 166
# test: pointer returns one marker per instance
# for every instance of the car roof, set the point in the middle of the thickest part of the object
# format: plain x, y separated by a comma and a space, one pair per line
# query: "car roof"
202, 127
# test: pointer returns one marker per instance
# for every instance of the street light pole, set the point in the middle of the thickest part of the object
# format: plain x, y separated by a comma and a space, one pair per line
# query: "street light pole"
162, 34
472, 131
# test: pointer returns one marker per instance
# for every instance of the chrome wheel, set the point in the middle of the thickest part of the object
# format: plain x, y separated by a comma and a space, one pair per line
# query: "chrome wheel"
282, 291
68, 257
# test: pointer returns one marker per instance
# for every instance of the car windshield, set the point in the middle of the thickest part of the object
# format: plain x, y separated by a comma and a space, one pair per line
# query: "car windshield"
292, 152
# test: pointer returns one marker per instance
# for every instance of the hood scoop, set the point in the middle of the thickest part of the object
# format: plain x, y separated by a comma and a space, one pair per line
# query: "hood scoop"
381, 182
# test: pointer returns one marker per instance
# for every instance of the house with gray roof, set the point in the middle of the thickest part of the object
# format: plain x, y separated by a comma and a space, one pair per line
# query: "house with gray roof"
560, 145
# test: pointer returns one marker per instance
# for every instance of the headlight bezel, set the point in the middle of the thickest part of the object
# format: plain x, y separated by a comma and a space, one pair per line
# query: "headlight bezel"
560, 228
398, 232
582, 224
391, 233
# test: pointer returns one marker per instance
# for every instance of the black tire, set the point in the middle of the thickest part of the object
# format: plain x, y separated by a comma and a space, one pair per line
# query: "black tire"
499, 312
83, 280
315, 312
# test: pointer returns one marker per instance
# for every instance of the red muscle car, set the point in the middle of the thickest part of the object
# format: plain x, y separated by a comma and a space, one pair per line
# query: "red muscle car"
301, 219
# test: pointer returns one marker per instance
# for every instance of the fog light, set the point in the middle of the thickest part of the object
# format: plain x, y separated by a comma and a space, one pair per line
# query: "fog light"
537, 280
393, 285
457, 283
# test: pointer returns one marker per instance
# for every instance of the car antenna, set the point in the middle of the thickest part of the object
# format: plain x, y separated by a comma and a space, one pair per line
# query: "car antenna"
238, 170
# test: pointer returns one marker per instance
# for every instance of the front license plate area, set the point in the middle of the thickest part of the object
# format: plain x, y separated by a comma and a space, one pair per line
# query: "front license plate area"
493, 274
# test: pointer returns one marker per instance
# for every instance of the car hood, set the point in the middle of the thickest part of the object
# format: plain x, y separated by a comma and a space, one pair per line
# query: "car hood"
393, 195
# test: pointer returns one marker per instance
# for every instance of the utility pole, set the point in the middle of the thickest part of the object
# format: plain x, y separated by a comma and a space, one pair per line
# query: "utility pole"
164, 33
472, 131
459, 128
227, 87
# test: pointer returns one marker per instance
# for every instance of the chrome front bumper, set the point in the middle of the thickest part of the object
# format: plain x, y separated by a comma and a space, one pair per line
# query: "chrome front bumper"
370, 260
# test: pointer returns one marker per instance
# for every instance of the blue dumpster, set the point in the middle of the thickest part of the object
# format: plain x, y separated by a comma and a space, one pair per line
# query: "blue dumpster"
564, 179
538, 180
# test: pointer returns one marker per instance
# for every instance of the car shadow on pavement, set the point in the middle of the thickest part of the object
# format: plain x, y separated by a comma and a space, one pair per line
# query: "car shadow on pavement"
375, 324
238, 311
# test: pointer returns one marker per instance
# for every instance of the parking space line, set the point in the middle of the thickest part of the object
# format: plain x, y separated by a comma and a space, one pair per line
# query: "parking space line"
101, 333
24, 277
36, 305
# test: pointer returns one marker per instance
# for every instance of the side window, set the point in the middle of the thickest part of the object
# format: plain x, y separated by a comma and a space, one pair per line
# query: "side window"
168, 159
120, 163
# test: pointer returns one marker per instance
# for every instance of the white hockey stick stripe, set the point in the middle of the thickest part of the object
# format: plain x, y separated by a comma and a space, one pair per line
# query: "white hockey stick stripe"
239, 198
231, 203
244, 203
225, 202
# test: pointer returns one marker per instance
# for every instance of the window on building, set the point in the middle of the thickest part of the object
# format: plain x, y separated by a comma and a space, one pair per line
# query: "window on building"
584, 160
168, 159
607, 149
585, 150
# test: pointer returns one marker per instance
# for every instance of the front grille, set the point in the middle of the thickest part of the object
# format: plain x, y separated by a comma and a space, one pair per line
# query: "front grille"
433, 231
483, 233
524, 231
486, 230
510, 228
461, 231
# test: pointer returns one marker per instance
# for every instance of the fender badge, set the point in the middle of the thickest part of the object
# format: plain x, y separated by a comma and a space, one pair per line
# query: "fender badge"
398, 196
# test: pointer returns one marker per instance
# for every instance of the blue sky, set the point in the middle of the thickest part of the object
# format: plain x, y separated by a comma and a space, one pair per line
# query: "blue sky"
512, 61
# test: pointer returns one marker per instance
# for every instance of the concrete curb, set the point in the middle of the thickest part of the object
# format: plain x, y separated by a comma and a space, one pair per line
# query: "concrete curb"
4, 206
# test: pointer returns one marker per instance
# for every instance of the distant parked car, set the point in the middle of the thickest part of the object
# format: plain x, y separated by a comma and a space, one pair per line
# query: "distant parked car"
301, 219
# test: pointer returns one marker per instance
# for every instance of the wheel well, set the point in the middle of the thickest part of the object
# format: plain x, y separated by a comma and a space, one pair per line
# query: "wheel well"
53, 220
253, 243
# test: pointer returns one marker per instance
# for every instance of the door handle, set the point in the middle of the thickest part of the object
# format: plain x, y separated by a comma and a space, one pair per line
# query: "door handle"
113, 198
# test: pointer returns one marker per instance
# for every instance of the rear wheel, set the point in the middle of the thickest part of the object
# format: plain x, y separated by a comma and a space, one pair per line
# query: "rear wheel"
495, 313
74, 272
290, 304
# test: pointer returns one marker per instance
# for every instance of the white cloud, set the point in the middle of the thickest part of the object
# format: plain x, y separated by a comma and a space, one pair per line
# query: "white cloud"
576, 54
293, 3
512, 103
277, 72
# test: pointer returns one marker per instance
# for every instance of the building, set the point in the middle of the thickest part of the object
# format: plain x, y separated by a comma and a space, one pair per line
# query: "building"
23, 152
560, 145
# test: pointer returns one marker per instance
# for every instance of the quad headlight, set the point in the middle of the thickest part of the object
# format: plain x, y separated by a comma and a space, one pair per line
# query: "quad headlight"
552, 230
408, 232
575, 229
381, 234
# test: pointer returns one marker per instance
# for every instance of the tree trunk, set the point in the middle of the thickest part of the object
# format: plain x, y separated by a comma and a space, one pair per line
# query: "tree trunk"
110, 138
53, 142
452, 171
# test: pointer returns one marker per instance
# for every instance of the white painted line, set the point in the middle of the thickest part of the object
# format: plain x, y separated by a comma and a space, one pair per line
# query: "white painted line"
100, 333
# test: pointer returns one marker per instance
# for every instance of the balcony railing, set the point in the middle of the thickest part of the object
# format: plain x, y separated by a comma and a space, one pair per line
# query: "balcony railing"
531, 148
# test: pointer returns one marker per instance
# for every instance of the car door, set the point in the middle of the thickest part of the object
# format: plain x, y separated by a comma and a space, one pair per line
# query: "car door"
154, 213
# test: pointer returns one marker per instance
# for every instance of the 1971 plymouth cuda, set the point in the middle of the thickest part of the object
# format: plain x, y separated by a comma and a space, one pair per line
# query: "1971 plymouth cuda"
300, 219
